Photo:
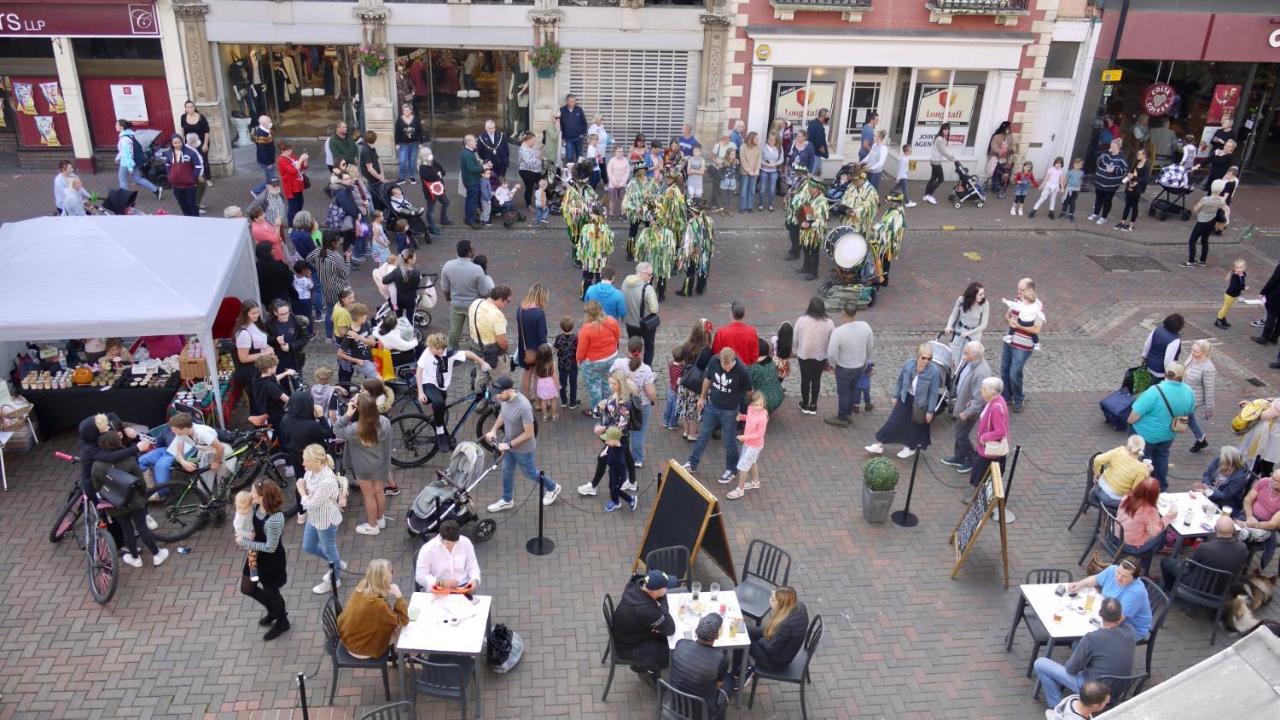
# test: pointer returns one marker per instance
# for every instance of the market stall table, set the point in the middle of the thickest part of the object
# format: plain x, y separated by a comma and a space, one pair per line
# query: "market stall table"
1196, 516
733, 633
59, 410
447, 625
1043, 600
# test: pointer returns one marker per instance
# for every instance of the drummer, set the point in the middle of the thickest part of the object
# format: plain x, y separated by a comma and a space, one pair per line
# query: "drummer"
862, 202
886, 236
848, 250
809, 208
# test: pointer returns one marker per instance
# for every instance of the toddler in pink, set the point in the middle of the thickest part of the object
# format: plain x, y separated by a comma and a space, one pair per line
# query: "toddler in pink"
752, 439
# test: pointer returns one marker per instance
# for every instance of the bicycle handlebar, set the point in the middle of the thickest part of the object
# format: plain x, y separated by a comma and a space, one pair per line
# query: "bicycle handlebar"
64, 456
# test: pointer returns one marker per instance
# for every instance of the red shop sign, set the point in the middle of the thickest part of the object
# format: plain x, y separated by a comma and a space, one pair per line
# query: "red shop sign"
1158, 99
103, 18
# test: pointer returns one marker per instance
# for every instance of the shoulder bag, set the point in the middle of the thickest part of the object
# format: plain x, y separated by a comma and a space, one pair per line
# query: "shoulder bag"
1179, 423
649, 322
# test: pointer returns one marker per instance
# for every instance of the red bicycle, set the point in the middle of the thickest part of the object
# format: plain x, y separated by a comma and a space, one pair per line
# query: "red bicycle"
85, 521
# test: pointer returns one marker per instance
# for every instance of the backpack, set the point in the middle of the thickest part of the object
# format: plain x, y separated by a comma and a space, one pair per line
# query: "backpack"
139, 154
1249, 415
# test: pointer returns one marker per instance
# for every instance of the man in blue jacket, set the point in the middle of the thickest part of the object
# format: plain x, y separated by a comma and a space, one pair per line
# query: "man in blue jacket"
573, 129
817, 130
609, 297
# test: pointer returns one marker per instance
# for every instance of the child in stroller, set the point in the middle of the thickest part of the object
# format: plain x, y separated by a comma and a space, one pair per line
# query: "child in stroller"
401, 209
504, 203
967, 187
448, 497
555, 188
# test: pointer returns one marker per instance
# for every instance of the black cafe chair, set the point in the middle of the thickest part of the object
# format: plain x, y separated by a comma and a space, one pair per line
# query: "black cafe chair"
445, 677
1199, 584
1088, 501
673, 561
767, 566
610, 652
341, 658
1039, 635
676, 705
797, 673
1159, 602
1110, 534
1123, 688
402, 710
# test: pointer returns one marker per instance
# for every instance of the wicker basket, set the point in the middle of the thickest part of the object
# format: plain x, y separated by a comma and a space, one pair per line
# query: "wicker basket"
190, 368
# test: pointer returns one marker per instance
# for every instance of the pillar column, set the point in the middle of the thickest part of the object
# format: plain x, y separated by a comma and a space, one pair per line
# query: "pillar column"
378, 95
202, 82
710, 121
172, 53
544, 93
64, 56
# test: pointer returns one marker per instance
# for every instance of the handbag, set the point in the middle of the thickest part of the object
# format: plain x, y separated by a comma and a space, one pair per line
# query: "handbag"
918, 415
691, 380
1179, 423
118, 485
998, 448
650, 322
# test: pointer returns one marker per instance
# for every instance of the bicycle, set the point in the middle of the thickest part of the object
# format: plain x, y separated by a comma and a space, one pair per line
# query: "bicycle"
97, 543
181, 508
413, 436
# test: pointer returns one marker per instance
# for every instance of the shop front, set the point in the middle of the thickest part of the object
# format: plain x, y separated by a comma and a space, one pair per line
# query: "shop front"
1191, 74
69, 70
455, 90
304, 88
913, 84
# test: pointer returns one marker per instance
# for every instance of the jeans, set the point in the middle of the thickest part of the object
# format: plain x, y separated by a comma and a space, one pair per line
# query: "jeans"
1102, 202
407, 159
366, 368
1012, 362
568, 385
457, 321
595, 380
268, 174
160, 460
1158, 454
935, 178
471, 211
767, 189
294, 206
902, 188
1069, 202
124, 176
671, 413
727, 421
186, 198
963, 450
637, 436
1194, 425
1054, 678
572, 149
1201, 232
525, 461
747, 193
443, 201
322, 543
133, 528
846, 382
541, 214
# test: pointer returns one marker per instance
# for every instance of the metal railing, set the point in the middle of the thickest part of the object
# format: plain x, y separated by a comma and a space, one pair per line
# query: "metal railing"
979, 7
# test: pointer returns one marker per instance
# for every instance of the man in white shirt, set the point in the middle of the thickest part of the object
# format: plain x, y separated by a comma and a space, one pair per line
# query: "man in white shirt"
435, 373
447, 561
190, 441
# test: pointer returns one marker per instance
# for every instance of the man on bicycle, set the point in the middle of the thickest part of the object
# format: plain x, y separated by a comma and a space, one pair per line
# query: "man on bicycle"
188, 438
435, 372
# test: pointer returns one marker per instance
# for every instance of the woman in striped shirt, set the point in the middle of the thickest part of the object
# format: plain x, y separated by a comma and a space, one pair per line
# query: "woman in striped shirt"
322, 495
268, 525
335, 274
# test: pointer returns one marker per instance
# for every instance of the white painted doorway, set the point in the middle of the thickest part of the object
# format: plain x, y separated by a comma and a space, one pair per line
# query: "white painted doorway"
1051, 136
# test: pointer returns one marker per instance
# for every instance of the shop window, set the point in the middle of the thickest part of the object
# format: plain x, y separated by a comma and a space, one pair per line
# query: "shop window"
1061, 61
116, 49
27, 47
941, 96
865, 99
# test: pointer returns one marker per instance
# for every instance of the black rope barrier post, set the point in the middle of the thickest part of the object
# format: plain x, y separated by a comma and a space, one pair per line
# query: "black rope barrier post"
302, 695
904, 517
540, 545
1008, 483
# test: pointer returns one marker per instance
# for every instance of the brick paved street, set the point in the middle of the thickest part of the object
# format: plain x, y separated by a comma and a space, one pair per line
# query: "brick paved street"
902, 639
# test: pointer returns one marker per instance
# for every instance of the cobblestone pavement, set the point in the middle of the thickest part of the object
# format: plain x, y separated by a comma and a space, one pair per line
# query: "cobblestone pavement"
902, 640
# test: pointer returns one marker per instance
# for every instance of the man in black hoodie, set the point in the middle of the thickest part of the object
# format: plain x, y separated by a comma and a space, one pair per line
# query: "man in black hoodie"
642, 623
727, 384
301, 427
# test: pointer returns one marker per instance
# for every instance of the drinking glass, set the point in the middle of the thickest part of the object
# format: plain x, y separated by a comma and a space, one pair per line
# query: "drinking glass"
715, 591
695, 588
414, 612
1089, 599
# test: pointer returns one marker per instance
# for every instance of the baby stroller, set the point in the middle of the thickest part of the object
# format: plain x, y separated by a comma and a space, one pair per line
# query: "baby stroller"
999, 180
448, 497
404, 210
555, 188
422, 313
1172, 198
967, 188
120, 202
945, 362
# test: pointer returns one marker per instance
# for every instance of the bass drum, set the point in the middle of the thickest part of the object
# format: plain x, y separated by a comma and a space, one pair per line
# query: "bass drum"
846, 247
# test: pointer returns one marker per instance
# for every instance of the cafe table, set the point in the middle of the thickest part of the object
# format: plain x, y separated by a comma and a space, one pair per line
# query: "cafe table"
1196, 516
446, 624
1042, 599
733, 632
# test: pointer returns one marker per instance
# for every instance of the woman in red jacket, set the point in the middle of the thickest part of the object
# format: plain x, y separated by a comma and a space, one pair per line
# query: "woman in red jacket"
993, 430
292, 183
597, 347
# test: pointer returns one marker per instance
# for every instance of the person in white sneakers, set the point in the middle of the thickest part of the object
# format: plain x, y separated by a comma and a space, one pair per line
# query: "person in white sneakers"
447, 561
938, 152
515, 421
368, 452
915, 397
322, 495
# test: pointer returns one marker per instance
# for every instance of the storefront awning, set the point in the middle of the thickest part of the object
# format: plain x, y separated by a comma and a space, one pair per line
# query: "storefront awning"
78, 18
1192, 36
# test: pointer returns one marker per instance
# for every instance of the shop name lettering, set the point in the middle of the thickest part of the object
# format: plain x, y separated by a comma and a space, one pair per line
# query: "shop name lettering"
13, 22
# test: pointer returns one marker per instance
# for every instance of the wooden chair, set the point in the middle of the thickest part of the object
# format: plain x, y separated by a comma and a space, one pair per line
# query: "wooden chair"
676, 705
1202, 585
767, 566
797, 673
673, 561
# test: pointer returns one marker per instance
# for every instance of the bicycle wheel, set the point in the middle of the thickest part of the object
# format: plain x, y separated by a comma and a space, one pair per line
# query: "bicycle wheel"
486, 415
178, 511
66, 517
103, 565
413, 440
248, 467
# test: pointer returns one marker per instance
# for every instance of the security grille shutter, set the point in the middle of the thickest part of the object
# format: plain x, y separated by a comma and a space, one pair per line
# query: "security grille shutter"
637, 91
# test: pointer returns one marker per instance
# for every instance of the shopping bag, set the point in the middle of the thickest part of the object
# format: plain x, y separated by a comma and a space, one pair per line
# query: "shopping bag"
382, 359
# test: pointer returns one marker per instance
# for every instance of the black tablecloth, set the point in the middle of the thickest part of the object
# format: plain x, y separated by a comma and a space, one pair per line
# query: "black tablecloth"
60, 410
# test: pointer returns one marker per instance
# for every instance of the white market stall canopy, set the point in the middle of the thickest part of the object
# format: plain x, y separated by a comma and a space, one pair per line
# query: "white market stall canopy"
117, 276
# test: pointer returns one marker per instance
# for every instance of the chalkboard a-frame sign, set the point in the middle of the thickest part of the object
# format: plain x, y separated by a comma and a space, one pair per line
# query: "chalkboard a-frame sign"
686, 513
988, 500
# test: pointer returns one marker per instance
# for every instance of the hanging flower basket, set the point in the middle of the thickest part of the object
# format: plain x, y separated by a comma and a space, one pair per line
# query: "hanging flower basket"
546, 58
546, 72
373, 60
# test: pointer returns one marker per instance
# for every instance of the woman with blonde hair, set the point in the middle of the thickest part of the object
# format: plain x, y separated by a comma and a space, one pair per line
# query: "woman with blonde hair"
1202, 376
368, 453
322, 495
374, 613
615, 412
777, 643
1118, 470
531, 332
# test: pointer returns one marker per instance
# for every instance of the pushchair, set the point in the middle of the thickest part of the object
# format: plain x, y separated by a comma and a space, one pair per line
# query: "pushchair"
999, 180
421, 313
1172, 198
555, 188
967, 188
945, 362
448, 497
120, 202
416, 217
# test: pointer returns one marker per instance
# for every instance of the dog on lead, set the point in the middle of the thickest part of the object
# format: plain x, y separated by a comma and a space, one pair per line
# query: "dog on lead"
1254, 592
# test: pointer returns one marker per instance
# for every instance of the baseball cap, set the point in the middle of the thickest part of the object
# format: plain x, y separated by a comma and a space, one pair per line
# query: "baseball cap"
709, 627
657, 579
502, 384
